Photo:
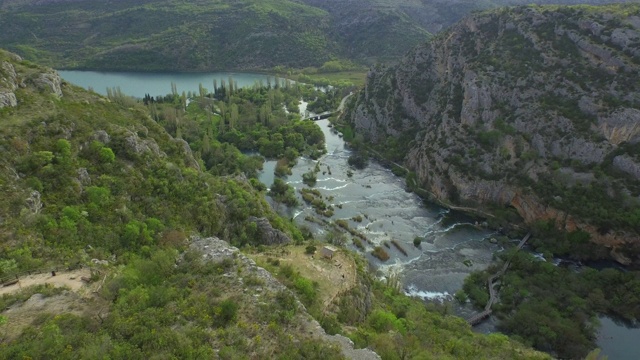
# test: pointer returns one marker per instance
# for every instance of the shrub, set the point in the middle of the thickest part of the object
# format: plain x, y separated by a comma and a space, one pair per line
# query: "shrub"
309, 178
417, 241
380, 253
310, 249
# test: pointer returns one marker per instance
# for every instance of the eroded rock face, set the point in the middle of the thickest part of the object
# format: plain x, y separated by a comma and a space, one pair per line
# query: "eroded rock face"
10, 80
49, 82
137, 145
216, 250
8, 84
269, 235
501, 102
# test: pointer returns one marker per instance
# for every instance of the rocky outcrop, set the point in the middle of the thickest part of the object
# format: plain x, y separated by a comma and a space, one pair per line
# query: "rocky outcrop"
8, 84
517, 107
49, 82
269, 235
217, 251
10, 80
136, 145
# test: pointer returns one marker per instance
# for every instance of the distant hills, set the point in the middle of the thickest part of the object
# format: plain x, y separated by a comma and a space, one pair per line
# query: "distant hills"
214, 35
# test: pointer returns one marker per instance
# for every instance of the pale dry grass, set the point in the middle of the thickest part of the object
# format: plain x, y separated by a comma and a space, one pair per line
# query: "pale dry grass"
79, 300
332, 275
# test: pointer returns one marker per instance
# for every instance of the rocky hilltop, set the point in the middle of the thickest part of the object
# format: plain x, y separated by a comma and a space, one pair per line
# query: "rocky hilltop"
536, 109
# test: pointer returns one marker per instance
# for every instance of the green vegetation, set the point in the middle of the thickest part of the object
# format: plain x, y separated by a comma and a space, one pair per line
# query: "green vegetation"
554, 308
271, 35
282, 192
359, 160
397, 326
87, 178
263, 118
417, 241
309, 178
314, 198
380, 253
162, 309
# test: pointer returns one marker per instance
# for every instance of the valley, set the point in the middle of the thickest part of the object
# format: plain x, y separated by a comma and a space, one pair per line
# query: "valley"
205, 200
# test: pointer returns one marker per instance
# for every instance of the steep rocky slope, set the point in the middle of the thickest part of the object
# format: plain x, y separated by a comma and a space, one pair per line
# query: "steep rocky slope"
533, 108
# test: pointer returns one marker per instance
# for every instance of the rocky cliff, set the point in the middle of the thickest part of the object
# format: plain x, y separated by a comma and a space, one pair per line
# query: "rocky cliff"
216, 251
532, 108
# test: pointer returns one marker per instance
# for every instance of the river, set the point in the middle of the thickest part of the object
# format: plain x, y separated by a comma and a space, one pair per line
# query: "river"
452, 248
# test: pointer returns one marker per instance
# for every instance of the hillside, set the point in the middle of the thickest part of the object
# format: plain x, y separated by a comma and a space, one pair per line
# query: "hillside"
196, 36
94, 188
171, 35
528, 112
89, 182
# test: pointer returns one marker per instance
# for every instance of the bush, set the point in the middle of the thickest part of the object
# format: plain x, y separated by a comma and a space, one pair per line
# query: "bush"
380, 253
417, 241
309, 178
310, 249
306, 289
358, 160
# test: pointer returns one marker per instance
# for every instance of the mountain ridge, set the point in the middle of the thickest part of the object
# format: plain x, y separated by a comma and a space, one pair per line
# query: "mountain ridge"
169, 35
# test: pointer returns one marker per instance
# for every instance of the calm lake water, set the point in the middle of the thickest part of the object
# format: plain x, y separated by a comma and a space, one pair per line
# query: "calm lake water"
618, 341
138, 84
453, 246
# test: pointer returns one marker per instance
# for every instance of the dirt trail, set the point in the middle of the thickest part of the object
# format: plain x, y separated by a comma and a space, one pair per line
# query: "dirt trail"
78, 300
71, 279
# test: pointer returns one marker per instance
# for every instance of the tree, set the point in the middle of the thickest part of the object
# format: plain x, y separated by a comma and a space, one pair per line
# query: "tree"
233, 116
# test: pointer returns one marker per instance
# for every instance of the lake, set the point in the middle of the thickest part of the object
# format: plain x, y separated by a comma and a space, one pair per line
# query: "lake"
138, 84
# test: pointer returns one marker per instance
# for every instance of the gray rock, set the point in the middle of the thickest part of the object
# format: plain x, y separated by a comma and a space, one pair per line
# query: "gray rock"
8, 83
136, 145
83, 176
49, 81
572, 103
102, 136
8, 99
628, 165
269, 235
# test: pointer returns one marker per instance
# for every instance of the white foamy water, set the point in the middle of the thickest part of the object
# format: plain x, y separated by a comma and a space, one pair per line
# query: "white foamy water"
432, 271
413, 291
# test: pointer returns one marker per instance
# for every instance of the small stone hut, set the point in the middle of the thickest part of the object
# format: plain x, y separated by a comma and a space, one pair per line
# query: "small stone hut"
328, 251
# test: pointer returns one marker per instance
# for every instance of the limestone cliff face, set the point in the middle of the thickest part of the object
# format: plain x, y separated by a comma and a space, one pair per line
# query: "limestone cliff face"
522, 107
8, 85
10, 81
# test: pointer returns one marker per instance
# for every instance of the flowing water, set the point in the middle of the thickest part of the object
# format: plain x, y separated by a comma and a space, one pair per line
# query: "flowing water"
453, 245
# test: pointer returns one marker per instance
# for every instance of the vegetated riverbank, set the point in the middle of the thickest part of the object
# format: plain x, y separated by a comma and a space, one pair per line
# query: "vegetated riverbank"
554, 308
532, 293
371, 208
104, 181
